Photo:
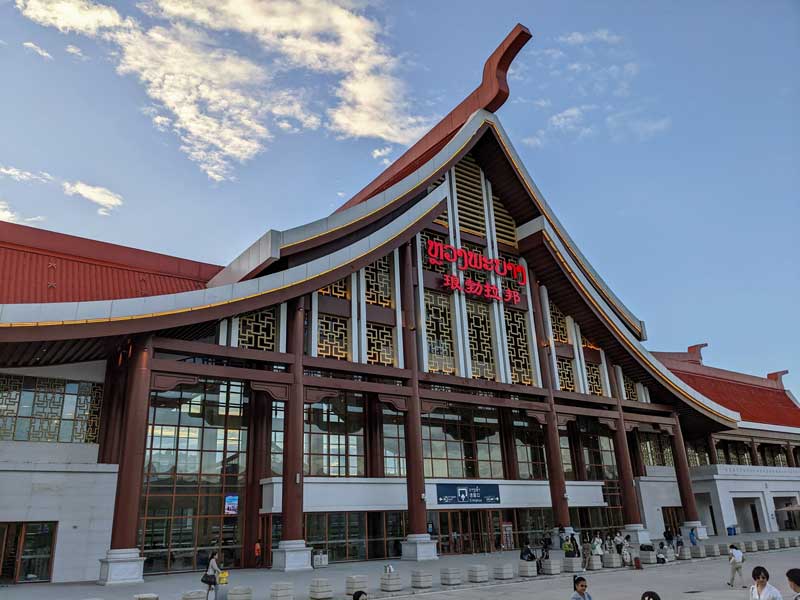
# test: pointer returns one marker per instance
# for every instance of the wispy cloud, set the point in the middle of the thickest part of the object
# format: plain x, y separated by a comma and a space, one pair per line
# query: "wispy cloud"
103, 197
221, 104
76, 52
7, 213
576, 38
40, 51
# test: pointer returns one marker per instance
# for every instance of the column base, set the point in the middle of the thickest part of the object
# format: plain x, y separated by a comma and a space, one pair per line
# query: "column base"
121, 566
639, 535
700, 529
418, 547
555, 536
292, 555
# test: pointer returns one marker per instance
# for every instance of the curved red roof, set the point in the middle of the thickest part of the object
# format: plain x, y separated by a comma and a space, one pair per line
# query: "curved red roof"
37, 265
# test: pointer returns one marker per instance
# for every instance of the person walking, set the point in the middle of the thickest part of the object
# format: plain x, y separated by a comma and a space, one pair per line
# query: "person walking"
762, 589
257, 553
735, 558
793, 575
580, 587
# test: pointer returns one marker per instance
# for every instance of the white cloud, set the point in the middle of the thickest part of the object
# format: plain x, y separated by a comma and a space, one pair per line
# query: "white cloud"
381, 152
104, 198
577, 38
75, 51
24, 176
7, 214
40, 51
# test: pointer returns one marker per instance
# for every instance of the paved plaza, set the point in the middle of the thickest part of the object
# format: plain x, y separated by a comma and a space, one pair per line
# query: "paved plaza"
702, 579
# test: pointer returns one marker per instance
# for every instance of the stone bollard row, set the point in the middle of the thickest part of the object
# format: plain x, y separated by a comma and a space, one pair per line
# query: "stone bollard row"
527, 568
355, 583
282, 590
551, 566
421, 580
503, 572
320, 589
450, 576
477, 574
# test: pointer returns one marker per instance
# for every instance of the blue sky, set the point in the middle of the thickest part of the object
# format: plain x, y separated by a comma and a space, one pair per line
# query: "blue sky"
664, 135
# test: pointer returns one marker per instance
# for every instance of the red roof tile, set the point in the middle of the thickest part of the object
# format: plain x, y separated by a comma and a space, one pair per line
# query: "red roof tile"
44, 266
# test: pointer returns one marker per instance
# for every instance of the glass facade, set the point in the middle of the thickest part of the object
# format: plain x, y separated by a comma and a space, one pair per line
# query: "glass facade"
334, 441
462, 442
39, 409
194, 476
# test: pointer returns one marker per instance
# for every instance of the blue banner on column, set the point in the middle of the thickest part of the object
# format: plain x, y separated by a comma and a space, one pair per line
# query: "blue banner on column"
468, 493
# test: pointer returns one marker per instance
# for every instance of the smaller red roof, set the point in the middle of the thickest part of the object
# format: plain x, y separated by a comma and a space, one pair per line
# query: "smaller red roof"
756, 399
37, 265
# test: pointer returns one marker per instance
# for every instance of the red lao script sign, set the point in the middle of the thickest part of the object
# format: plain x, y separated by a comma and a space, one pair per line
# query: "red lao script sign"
440, 253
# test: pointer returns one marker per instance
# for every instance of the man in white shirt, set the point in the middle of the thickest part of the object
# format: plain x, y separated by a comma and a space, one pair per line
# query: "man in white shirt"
735, 558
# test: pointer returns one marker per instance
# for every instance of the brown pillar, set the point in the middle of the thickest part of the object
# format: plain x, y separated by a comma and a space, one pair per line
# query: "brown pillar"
630, 500
292, 496
683, 475
257, 443
790, 456
415, 470
712, 450
555, 470
131, 460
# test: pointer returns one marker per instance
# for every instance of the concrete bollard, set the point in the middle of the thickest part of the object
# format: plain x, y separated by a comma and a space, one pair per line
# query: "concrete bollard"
572, 565
421, 580
670, 554
240, 592
712, 550
551, 566
762, 545
698, 551
527, 568
773, 544
320, 589
612, 560
355, 583
282, 590
503, 572
750, 546
477, 574
684, 553
194, 595
390, 582
648, 557
450, 576
595, 563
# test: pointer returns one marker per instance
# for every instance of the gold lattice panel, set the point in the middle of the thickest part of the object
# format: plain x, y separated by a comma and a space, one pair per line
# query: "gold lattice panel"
439, 333
378, 278
426, 235
566, 374
594, 379
471, 215
333, 337
630, 388
10, 390
519, 356
259, 330
380, 344
338, 289
479, 329
559, 323
482, 276
505, 227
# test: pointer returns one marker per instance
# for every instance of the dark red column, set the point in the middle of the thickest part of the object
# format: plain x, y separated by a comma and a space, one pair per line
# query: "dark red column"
630, 500
292, 498
555, 470
257, 443
415, 470
684, 476
131, 459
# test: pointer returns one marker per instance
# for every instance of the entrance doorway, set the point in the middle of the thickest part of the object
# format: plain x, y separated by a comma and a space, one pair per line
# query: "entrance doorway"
26, 552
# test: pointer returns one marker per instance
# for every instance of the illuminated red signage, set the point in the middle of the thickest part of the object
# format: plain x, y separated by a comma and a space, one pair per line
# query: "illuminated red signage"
440, 253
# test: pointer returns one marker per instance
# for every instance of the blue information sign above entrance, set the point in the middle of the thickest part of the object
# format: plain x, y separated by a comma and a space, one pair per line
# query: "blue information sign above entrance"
469, 493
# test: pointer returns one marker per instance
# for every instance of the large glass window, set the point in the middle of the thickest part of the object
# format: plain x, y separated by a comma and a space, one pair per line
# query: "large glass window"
394, 443
656, 449
194, 474
529, 444
39, 409
334, 437
462, 442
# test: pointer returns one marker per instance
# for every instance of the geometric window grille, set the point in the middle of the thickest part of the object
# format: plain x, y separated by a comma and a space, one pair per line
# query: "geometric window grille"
380, 344
630, 388
519, 356
338, 289
593, 376
479, 325
559, 324
259, 330
471, 216
424, 236
439, 333
504, 225
378, 277
39, 409
333, 340
566, 376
